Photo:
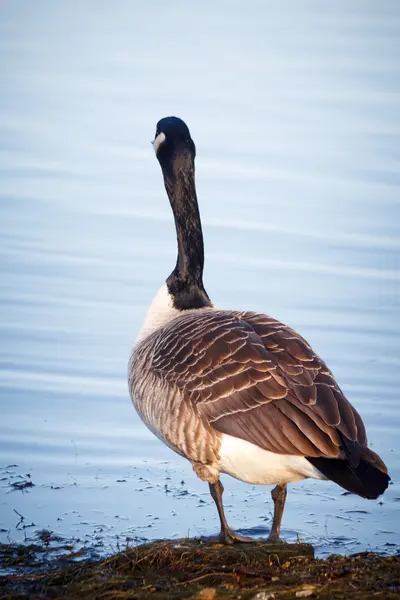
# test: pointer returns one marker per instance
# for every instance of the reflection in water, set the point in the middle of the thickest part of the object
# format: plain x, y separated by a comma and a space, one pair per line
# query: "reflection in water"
295, 114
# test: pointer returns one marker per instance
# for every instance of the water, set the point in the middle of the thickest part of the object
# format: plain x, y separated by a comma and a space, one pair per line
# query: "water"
295, 113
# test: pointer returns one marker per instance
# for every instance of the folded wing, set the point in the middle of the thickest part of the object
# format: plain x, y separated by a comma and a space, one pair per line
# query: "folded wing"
252, 377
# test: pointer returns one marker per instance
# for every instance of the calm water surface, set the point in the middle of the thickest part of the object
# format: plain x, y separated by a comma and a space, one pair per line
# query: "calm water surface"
295, 110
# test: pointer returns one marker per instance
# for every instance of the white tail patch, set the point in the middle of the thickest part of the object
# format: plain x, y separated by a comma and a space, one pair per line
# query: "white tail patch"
252, 464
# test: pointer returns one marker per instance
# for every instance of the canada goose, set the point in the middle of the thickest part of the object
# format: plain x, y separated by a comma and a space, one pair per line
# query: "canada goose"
232, 391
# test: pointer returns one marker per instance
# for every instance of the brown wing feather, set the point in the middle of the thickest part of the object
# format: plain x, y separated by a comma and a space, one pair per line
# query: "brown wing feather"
254, 378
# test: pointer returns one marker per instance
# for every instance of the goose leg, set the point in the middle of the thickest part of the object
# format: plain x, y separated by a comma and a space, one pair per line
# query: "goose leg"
278, 494
227, 536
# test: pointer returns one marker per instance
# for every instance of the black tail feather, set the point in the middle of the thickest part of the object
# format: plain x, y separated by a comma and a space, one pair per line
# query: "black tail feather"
365, 479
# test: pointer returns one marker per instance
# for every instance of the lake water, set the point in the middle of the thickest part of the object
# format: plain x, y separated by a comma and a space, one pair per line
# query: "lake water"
295, 111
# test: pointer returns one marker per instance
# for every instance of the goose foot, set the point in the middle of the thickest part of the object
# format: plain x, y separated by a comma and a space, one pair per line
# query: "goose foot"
230, 537
227, 536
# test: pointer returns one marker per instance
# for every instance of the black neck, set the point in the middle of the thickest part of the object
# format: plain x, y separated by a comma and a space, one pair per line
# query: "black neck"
186, 281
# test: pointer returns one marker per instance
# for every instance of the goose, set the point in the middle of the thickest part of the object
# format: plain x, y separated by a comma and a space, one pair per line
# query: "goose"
237, 392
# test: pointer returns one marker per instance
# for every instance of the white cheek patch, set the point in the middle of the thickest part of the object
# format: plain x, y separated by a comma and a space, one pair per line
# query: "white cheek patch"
158, 141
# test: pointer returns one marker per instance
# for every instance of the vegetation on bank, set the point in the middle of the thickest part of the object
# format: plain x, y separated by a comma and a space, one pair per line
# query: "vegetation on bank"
197, 570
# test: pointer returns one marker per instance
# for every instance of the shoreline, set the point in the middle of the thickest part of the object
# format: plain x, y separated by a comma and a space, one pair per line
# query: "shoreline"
190, 568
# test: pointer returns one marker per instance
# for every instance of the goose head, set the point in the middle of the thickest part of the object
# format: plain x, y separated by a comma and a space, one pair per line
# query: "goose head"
173, 139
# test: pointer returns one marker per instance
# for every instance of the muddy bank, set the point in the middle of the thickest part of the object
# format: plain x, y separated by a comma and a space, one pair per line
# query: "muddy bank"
192, 569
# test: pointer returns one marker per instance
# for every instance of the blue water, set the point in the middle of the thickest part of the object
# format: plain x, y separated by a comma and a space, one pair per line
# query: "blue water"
295, 111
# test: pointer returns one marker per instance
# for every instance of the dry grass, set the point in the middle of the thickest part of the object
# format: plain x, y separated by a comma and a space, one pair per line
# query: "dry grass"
191, 569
